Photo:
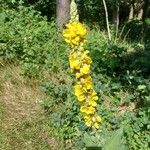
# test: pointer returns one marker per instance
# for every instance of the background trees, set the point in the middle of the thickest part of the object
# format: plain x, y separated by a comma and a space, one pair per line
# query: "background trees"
91, 11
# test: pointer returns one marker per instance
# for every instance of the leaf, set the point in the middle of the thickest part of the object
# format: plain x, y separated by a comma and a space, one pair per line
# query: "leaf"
88, 140
115, 142
13, 1
141, 87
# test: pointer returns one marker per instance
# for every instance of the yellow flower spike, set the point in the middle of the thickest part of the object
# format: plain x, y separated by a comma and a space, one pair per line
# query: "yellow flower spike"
80, 62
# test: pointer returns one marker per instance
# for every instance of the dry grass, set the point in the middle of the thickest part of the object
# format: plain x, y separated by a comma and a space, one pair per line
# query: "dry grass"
22, 120
19, 99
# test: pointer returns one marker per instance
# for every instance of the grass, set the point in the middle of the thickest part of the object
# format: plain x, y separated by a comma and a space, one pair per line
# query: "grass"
23, 124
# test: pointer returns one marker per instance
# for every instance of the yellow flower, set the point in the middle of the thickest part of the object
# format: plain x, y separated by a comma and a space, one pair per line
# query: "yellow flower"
88, 123
87, 117
96, 118
69, 33
81, 98
85, 69
78, 75
96, 125
81, 29
76, 40
74, 33
79, 92
92, 103
87, 82
88, 120
78, 89
85, 58
74, 64
72, 56
88, 110
94, 96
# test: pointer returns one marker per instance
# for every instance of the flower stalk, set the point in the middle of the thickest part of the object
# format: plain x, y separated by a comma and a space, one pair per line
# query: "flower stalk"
80, 63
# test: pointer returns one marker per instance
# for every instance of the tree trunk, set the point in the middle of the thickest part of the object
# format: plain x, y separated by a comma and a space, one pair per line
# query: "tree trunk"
131, 13
117, 19
63, 13
140, 14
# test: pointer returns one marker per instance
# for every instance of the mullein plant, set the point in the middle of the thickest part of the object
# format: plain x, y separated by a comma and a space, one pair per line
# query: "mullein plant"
80, 62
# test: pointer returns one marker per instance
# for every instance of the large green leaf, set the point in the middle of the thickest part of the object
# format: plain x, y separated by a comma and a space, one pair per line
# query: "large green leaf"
115, 142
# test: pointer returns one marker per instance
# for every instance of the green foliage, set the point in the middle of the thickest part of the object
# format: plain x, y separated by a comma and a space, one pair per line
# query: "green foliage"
115, 142
120, 74
62, 106
107, 55
122, 86
46, 7
112, 140
91, 11
137, 130
133, 30
35, 43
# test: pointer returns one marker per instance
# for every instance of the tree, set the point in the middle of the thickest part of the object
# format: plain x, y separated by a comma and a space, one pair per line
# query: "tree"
63, 12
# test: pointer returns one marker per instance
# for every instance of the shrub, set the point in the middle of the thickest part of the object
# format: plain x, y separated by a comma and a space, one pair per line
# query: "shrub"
106, 55
27, 36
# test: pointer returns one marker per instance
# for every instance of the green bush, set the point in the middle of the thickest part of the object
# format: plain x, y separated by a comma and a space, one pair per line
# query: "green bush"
27, 36
106, 55
47, 8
